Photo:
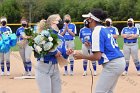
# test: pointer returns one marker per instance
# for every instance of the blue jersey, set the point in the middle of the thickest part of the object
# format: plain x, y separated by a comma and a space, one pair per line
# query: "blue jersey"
105, 43
62, 48
128, 31
5, 30
19, 33
113, 30
67, 35
85, 35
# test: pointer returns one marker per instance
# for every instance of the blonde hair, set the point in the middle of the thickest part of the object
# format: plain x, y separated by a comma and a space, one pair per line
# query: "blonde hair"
67, 15
50, 19
41, 26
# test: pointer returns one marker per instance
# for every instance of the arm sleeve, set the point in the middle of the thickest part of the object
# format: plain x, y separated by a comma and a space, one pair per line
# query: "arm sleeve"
116, 31
137, 31
98, 41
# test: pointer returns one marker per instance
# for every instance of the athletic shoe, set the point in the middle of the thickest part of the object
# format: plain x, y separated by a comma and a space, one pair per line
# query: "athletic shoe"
85, 73
2, 74
95, 73
65, 73
71, 73
29, 73
25, 74
124, 73
8, 73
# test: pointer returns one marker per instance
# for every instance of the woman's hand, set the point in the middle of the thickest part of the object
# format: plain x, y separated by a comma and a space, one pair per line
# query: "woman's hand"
78, 55
69, 51
87, 44
58, 54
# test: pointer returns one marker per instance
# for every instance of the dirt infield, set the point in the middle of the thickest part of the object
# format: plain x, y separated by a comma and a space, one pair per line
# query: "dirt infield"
70, 84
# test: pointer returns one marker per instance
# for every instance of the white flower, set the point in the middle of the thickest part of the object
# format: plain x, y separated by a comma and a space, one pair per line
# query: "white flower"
43, 42
38, 39
48, 46
45, 33
50, 39
38, 49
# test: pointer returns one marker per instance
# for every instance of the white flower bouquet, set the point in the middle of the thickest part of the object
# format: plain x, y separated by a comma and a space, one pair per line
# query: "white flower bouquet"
43, 43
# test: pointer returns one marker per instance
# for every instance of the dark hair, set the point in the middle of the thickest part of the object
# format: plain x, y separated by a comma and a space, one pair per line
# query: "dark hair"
99, 13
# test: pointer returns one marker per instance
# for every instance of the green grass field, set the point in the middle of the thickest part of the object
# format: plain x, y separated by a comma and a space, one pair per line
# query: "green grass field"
119, 40
78, 44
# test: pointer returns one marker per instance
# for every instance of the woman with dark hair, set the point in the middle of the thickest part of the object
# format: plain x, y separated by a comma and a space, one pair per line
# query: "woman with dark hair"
105, 50
24, 49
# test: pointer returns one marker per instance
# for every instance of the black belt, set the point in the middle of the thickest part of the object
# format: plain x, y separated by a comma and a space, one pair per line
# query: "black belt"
130, 42
69, 39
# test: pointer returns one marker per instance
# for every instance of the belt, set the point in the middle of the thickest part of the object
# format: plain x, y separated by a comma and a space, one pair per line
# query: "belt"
130, 42
68, 39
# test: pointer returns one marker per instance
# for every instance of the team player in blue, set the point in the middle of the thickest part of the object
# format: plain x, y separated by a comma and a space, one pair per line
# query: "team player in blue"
24, 49
130, 47
105, 51
69, 31
4, 29
47, 71
85, 37
111, 28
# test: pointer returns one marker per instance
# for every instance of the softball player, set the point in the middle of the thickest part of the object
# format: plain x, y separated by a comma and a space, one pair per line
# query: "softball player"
69, 31
111, 28
130, 47
5, 56
85, 37
105, 51
24, 49
47, 72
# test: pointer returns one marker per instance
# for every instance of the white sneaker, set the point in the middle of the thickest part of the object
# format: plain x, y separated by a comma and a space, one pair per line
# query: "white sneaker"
8, 73
124, 73
71, 73
85, 73
25, 74
29, 73
2, 74
65, 73
95, 73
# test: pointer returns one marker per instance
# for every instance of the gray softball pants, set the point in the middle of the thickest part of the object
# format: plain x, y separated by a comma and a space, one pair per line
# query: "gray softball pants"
5, 57
110, 75
48, 77
25, 53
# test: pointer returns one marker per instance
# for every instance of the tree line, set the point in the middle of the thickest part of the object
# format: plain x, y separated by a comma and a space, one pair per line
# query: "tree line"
35, 10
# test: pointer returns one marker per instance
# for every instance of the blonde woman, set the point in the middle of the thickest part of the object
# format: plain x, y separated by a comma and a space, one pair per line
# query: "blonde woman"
47, 72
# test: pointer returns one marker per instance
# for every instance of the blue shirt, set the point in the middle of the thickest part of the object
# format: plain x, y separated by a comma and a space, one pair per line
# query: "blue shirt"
67, 35
5, 30
62, 48
19, 33
85, 34
105, 43
128, 31
113, 30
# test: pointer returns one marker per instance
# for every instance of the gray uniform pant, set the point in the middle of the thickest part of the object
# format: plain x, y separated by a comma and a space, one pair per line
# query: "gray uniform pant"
70, 44
109, 75
48, 77
131, 49
87, 51
25, 53
5, 57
